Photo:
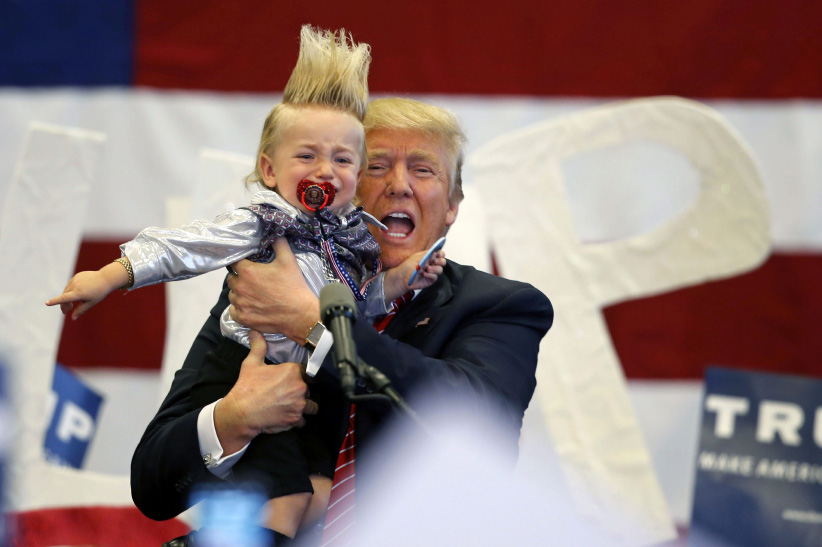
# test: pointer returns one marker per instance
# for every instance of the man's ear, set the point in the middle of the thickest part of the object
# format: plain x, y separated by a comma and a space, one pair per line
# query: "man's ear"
451, 213
267, 170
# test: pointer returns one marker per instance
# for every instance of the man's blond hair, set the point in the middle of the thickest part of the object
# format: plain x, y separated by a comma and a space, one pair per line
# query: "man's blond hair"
398, 113
331, 72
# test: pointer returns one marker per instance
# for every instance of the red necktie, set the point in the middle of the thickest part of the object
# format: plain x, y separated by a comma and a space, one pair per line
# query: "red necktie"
340, 518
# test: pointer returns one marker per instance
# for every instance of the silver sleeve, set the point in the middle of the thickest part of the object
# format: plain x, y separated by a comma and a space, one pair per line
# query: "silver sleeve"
160, 254
374, 304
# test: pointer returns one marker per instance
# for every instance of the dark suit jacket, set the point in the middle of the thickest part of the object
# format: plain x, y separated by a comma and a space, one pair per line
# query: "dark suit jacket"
470, 332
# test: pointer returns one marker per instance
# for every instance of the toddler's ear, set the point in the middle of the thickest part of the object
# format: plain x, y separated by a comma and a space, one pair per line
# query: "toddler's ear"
267, 170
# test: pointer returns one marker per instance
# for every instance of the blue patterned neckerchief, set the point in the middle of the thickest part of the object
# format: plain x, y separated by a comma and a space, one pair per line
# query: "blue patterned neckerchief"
344, 240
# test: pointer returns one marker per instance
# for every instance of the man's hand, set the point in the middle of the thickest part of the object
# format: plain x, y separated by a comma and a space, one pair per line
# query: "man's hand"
265, 399
273, 297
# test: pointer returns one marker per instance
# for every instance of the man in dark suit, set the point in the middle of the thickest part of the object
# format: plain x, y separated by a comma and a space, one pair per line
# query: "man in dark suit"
471, 333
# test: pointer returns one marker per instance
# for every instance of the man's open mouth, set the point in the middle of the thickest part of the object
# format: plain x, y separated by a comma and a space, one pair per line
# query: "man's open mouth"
399, 224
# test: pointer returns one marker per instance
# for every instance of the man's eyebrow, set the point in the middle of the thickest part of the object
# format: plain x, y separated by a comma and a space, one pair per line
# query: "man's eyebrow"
378, 154
413, 155
424, 155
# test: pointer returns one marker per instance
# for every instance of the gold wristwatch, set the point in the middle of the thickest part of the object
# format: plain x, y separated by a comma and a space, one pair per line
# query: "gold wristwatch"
314, 335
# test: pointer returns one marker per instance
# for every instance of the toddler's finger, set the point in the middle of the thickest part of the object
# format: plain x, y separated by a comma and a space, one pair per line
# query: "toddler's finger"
81, 309
68, 296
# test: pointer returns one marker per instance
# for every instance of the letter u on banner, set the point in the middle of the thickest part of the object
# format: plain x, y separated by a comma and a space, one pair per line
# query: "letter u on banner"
581, 389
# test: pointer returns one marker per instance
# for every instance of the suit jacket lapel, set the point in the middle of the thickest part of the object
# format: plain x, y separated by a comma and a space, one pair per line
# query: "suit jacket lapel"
420, 317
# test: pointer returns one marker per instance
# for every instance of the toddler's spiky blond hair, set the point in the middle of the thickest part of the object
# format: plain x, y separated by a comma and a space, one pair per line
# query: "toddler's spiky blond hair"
331, 71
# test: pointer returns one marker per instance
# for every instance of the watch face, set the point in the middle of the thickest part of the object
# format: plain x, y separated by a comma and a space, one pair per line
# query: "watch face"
314, 335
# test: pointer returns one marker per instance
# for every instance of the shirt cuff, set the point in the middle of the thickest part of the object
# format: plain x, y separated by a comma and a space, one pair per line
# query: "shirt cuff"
210, 448
318, 355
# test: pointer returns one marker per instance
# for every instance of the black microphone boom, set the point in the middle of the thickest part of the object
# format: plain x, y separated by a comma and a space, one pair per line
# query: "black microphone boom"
338, 313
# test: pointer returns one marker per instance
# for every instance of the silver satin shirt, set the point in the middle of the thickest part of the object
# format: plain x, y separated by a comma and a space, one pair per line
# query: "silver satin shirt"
201, 246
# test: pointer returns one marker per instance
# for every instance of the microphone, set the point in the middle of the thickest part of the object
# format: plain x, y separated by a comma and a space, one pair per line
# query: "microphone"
338, 313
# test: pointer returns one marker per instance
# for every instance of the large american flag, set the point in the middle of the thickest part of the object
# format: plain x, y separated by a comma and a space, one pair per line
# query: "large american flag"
166, 79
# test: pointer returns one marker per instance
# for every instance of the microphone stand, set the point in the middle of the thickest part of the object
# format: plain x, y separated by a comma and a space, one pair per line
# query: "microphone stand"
385, 391
339, 313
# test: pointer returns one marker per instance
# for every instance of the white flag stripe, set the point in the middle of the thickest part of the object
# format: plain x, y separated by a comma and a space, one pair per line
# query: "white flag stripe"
230, 122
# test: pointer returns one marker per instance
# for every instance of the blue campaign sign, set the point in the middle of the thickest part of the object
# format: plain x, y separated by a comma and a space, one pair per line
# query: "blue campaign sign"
74, 420
759, 465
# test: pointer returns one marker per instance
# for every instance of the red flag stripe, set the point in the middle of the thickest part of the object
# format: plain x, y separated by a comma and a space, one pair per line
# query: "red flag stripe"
104, 526
601, 48
762, 320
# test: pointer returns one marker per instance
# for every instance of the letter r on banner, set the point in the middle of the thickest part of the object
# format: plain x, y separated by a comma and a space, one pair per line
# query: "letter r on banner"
580, 386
